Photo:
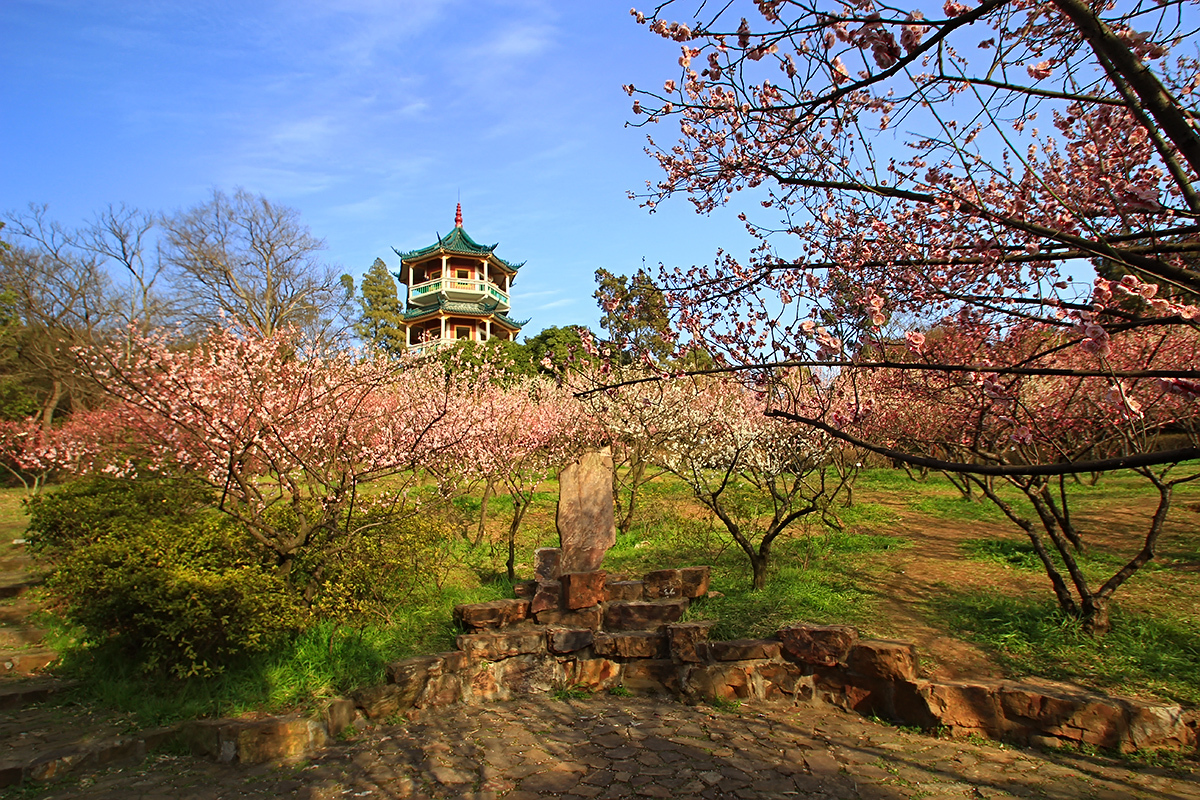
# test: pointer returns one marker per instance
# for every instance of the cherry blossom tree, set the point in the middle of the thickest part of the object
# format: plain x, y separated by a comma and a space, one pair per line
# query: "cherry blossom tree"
901, 150
1021, 420
965, 203
288, 437
522, 429
637, 421
759, 475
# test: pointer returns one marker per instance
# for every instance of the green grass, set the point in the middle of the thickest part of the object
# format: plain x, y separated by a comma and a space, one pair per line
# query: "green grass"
324, 661
820, 574
816, 579
1141, 654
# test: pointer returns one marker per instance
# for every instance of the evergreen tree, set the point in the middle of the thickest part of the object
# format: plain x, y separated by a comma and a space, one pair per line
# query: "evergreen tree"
635, 314
381, 324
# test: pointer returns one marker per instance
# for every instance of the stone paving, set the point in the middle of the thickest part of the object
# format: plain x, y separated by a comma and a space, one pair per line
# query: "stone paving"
615, 747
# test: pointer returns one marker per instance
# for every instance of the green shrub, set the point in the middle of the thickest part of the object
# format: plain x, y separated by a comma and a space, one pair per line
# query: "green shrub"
181, 597
83, 510
389, 561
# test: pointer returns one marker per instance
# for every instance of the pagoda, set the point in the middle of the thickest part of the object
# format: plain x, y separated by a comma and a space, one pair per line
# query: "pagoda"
458, 290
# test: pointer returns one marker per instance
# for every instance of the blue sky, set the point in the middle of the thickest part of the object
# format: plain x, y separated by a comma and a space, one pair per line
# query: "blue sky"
372, 117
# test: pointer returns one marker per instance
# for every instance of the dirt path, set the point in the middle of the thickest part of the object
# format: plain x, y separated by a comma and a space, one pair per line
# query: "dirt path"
913, 577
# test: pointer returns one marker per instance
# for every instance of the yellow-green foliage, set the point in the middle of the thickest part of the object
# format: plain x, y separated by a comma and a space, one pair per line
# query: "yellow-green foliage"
388, 561
152, 568
183, 597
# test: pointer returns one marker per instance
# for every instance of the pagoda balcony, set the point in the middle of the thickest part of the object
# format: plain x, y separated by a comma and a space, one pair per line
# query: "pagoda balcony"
467, 290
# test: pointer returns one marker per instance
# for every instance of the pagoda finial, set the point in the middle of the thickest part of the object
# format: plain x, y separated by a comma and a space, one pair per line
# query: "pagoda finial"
458, 216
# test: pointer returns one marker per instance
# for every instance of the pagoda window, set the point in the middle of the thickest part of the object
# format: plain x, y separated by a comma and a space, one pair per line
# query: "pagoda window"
462, 332
464, 274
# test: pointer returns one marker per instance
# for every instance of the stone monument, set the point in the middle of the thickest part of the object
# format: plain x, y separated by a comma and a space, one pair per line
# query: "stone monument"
586, 519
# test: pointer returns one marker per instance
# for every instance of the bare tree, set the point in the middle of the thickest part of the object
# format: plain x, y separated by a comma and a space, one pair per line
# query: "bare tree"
60, 297
122, 236
247, 259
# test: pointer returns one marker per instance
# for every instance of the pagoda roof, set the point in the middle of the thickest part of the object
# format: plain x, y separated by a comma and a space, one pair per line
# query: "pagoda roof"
484, 309
457, 242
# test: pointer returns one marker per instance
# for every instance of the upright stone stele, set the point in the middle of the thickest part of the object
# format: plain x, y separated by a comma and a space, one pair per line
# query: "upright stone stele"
586, 520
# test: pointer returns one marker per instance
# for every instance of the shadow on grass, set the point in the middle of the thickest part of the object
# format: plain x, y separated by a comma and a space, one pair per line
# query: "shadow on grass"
324, 661
1140, 655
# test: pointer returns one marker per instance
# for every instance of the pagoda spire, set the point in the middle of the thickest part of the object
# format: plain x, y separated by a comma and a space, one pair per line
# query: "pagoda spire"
458, 216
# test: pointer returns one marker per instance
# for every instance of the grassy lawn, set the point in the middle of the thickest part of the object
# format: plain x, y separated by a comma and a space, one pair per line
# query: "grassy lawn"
832, 571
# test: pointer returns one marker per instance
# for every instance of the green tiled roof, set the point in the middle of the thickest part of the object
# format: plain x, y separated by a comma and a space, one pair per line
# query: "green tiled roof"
484, 309
456, 242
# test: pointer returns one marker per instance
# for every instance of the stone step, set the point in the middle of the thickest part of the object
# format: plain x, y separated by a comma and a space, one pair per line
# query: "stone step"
19, 635
97, 754
26, 661
16, 584
19, 692
643, 615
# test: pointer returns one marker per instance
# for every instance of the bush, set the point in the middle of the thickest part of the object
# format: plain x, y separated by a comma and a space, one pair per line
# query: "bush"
183, 597
82, 511
151, 568
384, 562
148, 568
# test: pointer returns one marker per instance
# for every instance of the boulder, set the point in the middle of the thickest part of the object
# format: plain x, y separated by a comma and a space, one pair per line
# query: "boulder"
569, 640
339, 714
381, 702
631, 644
622, 591
529, 675
494, 614
582, 589
502, 644
819, 644
548, 596
583, 618
744, 649
884, 659
662, 584
642, 615
546, 564
651, 676
694, 581
593, 674
687, 640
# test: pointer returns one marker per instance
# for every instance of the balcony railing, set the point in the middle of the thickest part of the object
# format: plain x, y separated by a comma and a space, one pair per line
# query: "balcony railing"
459, 289
429, 345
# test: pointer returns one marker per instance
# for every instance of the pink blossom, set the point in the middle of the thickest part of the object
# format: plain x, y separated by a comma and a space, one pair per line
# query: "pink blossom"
953, 8
1040, 70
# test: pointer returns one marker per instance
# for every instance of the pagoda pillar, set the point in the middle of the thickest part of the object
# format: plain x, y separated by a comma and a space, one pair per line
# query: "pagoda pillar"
443, 328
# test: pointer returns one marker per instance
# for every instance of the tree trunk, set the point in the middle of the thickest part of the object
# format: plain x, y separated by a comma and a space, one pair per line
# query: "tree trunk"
759, 565
483, 509
57, 392
519, 506
1094, 616
636, 471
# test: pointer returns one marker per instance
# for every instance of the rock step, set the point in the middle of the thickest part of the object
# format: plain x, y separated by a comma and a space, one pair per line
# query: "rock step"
14, 635
84, 757
16, 585
27, 691
26, 661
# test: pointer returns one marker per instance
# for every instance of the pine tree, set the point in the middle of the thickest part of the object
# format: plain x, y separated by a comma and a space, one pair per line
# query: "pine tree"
381, 325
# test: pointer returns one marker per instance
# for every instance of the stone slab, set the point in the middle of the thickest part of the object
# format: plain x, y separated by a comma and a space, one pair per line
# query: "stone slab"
586, 518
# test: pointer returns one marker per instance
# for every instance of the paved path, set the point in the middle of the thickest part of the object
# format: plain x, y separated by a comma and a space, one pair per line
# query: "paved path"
610, 747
